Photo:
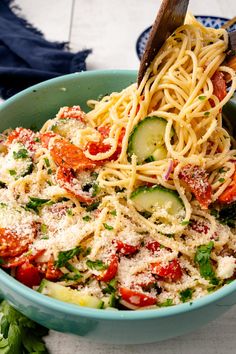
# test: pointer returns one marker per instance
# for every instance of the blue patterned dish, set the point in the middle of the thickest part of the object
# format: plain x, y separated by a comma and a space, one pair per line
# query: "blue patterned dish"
208, 21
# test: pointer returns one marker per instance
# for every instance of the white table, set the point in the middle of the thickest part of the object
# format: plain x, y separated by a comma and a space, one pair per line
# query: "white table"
110, 28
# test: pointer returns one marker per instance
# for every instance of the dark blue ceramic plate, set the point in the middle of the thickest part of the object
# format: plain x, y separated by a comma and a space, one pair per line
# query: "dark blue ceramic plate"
208, 21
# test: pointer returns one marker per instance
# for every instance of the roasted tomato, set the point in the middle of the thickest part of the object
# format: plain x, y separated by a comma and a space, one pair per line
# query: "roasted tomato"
74, 112
67, 180
23, 258
28, 274
96, 147
219, 85
104, 130
111, 271
125, 248
171, 271
70, 156
11, 244
46, 137
23, 136
153, 246
196, 179
229, 194
136, 298
52, 273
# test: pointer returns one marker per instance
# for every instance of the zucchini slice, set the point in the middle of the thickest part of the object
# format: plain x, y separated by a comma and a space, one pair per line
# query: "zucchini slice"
159, 154
60, 292
147, 136
146, 198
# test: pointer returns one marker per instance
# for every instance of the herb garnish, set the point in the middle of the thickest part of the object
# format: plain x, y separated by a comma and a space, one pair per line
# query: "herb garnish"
168, 302
87, 218
18, 334
186, 295
108, 227
221, 180
111, 287
65, 256
21, 154
12, 172
44, 228
97, 265
92, 206
201, 98
36, 203
185, 222
47, 163
203, 259
2, 184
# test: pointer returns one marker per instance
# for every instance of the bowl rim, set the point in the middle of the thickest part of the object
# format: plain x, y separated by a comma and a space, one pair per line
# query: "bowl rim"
76, 310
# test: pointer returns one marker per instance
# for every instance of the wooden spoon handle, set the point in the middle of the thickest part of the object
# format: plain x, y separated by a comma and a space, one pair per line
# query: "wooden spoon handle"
171, 15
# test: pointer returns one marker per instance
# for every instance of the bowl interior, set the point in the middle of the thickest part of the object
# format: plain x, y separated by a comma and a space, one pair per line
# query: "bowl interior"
32, 107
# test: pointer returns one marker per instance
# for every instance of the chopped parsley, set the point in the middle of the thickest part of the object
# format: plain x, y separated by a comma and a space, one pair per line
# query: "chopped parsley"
69, 212
36, 203
92, 206
203, 259
113, 212
221, 180
201, 98
168, 302
44, 228
87, 251
70, 276
2, 184
44, 238
47, 163
74, 275
12, 172
206, 113
108, 227
97, 265
185, 222
49, 171
87, 218
65, 256
186, 295
111, 287
21, 154
95, 189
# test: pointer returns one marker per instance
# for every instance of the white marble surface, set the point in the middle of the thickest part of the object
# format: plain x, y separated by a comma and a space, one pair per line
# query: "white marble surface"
110, 28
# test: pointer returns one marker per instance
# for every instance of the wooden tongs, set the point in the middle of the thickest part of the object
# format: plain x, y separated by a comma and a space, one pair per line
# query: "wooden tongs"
170, 16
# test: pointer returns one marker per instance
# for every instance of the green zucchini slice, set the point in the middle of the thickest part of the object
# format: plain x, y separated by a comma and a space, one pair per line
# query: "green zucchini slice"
147, 136
147, 198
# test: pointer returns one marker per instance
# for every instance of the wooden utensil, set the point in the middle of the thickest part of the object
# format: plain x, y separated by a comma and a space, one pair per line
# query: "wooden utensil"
170, 16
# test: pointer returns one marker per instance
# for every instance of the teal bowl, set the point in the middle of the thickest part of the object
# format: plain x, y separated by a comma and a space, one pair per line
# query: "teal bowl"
32, 107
